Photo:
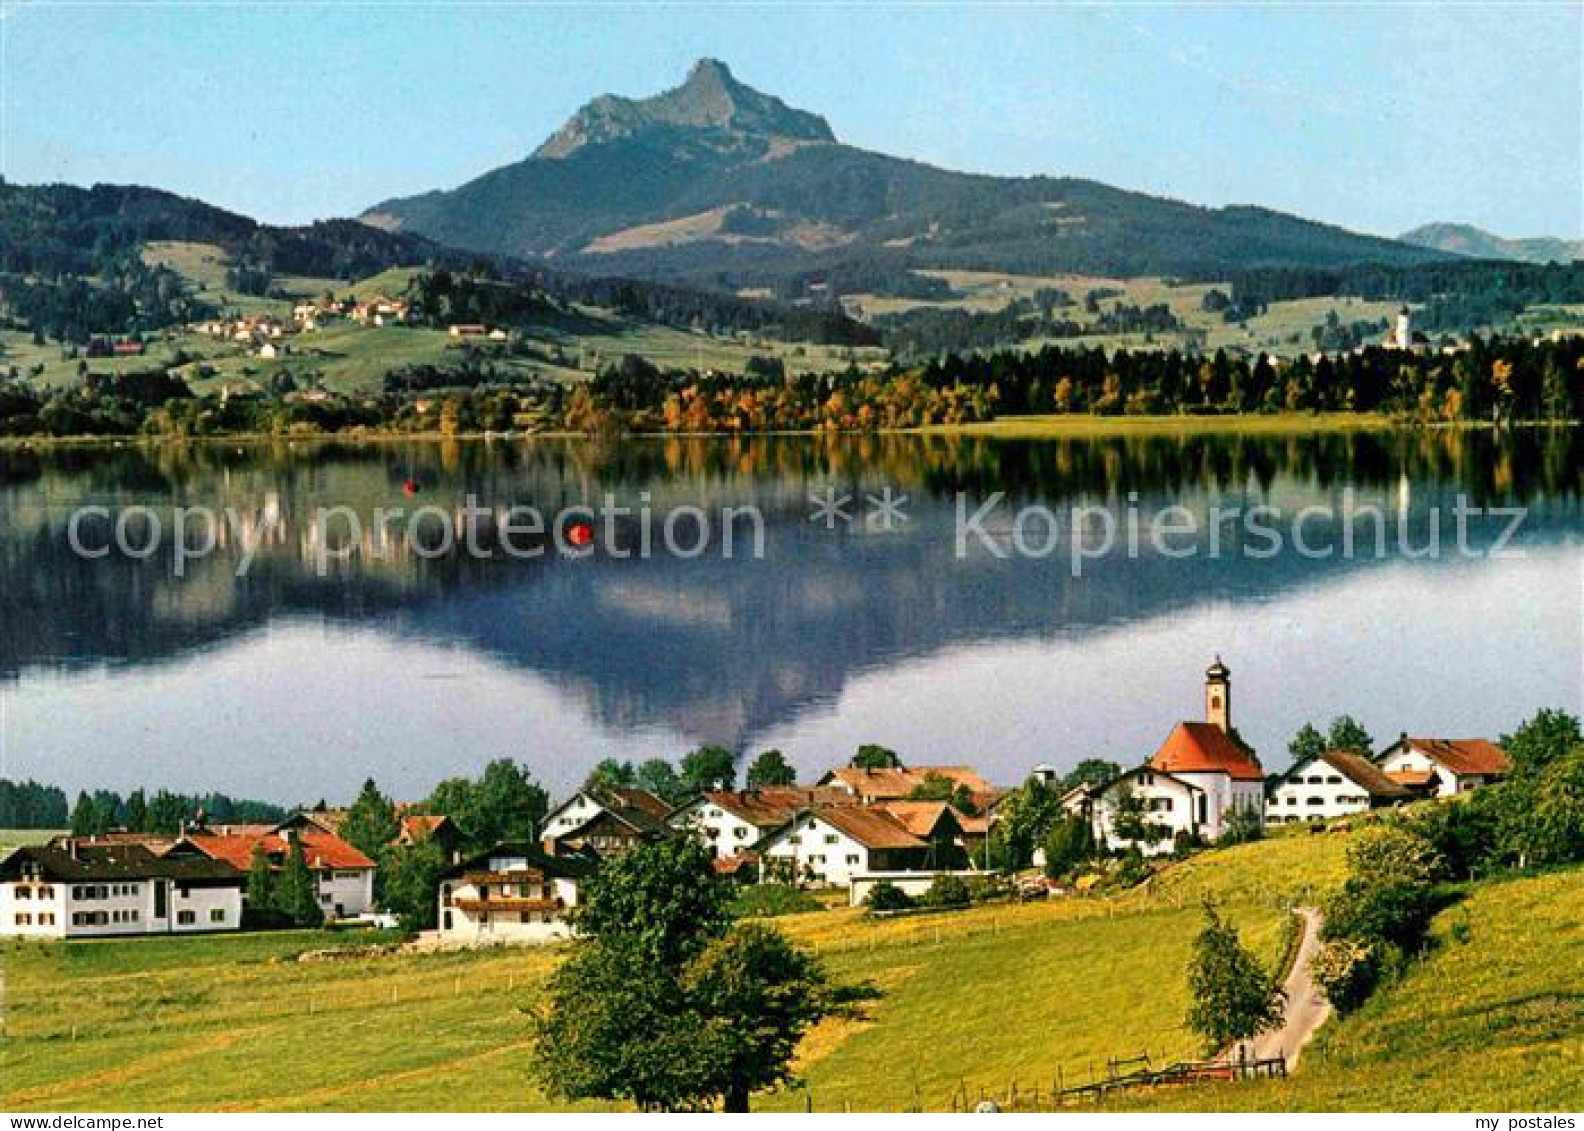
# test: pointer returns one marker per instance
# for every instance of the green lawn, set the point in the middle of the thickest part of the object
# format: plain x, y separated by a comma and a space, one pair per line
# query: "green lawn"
1491, 1020
976, 996
16, 838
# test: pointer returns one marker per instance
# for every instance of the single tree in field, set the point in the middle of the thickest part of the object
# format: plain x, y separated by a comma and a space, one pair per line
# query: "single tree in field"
260, 883
873, 757
297, 896
771, 769
1232, 996
371, 822
708, 767
758, 994
661, 1002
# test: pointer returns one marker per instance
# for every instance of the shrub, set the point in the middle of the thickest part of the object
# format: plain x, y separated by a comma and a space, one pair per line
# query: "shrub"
1464, 835
1370, 911
984, 888
947, 891
1069, 844
1132, 869
886, 896
1394, 853
1243, 824
768, 900
1346, 972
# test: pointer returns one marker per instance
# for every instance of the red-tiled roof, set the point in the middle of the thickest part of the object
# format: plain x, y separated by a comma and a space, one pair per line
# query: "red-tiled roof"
640, 799
1464, 755
321, 849
919, 817
775, 806
898, 783
416, 826
1363, 773
872, 828
1204, 748
1413, 779
731, 865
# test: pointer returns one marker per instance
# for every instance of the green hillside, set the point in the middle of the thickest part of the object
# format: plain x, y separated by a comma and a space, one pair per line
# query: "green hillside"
1000, 994
1000, 990
1491, 1020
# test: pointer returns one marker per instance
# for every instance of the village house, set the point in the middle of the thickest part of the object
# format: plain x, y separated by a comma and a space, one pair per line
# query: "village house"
468, 330
606, 820
86, 888
1441, 767
1201, 775
380, 311
835, 845
1334, 784
734, 822
343, 876
899, 783
514, 893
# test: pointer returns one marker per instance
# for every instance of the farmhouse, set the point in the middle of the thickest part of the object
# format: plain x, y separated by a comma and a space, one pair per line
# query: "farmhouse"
834, 844
343, 876
514, 893
85, 888
606, 820
732, 823
1201, 775
898, 783
1441, 767
1333, 784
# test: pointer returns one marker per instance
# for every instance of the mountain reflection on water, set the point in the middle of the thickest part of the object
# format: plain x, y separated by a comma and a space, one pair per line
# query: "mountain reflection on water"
631, 655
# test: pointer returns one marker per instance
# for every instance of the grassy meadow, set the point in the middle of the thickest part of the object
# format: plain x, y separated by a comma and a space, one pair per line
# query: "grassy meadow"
977, 997
1282, 330
15, 838
1492, 1018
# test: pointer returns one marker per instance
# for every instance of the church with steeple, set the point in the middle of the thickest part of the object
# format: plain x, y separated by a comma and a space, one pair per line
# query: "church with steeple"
1202, 774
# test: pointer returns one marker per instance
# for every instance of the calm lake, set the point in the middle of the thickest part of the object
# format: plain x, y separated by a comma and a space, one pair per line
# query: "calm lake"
995, 616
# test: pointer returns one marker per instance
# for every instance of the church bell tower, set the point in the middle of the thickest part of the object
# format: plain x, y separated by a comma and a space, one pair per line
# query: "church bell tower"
1218, 695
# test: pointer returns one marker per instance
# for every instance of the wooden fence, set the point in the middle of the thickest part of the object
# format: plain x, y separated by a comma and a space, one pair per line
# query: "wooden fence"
1121, 1075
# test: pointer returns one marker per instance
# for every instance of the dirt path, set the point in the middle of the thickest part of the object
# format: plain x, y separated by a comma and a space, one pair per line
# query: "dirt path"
1307, 1008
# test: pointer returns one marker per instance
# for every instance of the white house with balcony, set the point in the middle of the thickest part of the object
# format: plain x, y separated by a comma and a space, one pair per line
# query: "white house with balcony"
514, 893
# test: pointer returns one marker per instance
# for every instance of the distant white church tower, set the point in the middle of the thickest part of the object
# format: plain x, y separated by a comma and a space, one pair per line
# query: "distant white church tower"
1403, 338
1218, 696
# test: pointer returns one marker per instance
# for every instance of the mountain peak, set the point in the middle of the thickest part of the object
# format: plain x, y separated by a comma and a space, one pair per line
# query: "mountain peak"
710, 101
709, 72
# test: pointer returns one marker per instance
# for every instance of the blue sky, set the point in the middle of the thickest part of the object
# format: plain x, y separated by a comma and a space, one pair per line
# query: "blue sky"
1376, 116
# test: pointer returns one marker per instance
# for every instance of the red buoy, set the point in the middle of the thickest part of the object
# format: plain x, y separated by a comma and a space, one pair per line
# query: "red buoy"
580, 534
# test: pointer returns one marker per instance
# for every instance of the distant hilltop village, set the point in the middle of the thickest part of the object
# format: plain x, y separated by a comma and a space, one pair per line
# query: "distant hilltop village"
870, 824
